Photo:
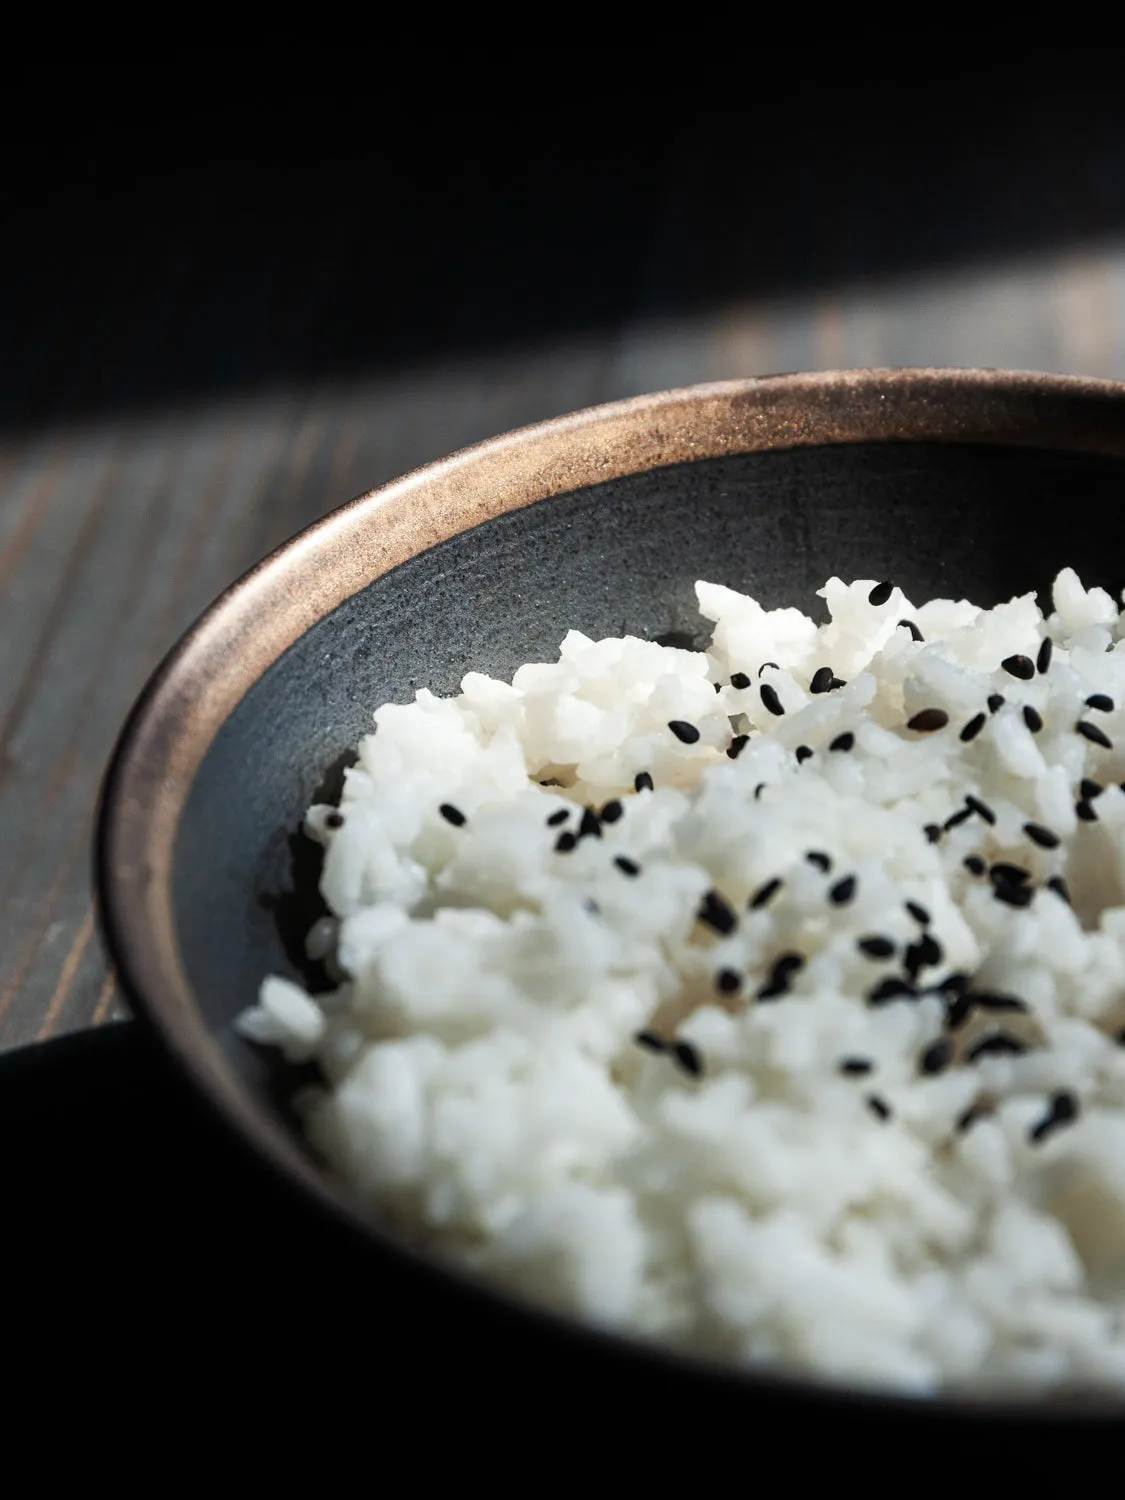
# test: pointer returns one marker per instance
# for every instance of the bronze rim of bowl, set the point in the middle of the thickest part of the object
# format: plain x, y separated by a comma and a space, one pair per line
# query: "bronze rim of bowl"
250, 626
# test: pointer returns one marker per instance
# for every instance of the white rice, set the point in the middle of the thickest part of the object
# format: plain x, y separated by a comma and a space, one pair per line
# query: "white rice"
484, 1089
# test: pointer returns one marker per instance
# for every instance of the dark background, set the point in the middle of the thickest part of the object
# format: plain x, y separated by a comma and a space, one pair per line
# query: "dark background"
181, 233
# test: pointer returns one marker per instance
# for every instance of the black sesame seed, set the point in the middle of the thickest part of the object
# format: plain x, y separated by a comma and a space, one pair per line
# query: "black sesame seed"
558, 817
1120, 1038
821, 680
716, 913
878, 1107
688, 1058
997, 1044
334, 820
891, 988
1101, 702
981, 809
975, 865
1061, 1109
844, 741
1041, 836
758, 790
592, 907
626, 865
611, 811
932, 832
937, 1056
765, 893
958, 1010
1032, 718
1013, 895
781, 973
837, 682
1085, 811
718, 687
876, 946
1065, 1106
1090, 788
737, 746
973, 727
1019, 666
1043, 660
962, 815
995, 702
787, 964
915, 633
881, 593
565, 842
821, 860
928, 720
1058, 885
925, 953
843, 891
686, 733
969, 1117
770, 699
912, 961
642, 782
590, 826
766, 664
739, 680
1095, 735
452, 814
932, 952
804, 753
1002, 871
728, 981
650, 1041
997, 1004
954, 984
918, 912
856, 1067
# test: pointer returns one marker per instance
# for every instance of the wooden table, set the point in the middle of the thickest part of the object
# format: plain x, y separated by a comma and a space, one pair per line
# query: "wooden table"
238, 349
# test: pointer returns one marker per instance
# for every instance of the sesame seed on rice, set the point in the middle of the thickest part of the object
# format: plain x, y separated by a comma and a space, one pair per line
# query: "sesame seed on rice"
1095, 735
687, 734
928, 720
482, 1068
1019, 666
765, 893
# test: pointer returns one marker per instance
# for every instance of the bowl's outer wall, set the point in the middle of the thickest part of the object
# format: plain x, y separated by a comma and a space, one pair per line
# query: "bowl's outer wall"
483, 561
973, 521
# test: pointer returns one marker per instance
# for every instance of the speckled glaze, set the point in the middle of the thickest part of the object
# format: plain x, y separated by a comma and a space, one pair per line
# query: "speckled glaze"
980, 483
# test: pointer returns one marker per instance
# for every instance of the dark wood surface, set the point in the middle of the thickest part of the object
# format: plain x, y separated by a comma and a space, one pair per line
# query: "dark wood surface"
227, 351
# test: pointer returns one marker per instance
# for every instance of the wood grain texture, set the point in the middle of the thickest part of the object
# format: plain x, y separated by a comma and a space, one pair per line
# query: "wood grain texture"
117, 529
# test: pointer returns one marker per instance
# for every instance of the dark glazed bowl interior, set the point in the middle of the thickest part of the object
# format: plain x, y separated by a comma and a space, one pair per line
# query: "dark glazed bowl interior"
956, 483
